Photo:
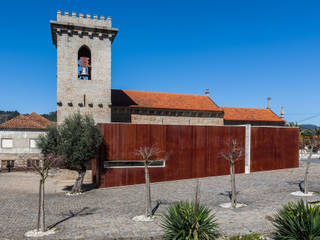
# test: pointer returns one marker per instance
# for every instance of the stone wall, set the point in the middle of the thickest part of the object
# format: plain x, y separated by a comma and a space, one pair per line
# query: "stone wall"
175, 120
21, 150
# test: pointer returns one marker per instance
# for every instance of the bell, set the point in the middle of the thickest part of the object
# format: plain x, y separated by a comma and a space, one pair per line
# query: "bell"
84, 72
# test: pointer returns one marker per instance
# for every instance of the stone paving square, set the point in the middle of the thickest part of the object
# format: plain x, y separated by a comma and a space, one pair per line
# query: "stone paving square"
108, 213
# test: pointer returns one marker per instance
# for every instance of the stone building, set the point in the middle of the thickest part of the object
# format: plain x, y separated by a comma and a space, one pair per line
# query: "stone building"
164, 108
18, 140
185, 109
84, 84
83, 64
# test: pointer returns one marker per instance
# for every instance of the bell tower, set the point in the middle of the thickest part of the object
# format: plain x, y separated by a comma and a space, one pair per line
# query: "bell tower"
83, 64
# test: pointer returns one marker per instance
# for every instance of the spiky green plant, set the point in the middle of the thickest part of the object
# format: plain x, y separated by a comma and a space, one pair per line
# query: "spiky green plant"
297, 221
189, 221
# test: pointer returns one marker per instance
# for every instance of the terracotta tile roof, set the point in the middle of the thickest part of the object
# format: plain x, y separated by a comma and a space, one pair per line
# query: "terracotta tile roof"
158, 100
250, 114
31, 121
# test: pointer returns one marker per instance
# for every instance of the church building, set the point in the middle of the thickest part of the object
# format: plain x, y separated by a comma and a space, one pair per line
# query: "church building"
83, 45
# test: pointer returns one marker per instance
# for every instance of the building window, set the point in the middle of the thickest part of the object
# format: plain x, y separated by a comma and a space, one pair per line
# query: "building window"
132, 164
84, 63
32, 162
32, 143
6, 143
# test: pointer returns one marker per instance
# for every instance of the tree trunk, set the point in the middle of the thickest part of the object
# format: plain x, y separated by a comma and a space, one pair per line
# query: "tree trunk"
148, 192
233, 186
43, 213
77, 187
306, 190
39, 207
197, 197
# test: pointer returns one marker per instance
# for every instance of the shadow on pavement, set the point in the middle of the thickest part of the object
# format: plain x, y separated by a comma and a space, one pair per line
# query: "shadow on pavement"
83, 212
85, 187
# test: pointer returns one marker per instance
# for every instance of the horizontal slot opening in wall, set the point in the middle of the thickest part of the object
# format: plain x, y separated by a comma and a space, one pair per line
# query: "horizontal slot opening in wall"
132, 164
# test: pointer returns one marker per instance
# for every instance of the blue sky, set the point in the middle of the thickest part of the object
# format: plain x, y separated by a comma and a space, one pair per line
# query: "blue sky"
243, 51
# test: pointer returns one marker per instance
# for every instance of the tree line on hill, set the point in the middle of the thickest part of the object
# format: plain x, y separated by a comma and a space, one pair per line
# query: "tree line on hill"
7, 115
302, 126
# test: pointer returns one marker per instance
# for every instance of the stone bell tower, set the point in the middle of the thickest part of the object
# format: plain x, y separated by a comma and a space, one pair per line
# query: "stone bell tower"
83, 65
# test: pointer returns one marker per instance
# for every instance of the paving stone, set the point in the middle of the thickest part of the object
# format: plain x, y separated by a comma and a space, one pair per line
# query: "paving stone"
108, 213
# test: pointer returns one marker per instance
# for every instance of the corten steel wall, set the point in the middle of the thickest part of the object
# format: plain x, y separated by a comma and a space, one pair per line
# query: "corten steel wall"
274, 148
194, 151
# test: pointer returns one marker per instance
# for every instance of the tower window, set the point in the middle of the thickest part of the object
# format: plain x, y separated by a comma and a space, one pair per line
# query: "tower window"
84, 63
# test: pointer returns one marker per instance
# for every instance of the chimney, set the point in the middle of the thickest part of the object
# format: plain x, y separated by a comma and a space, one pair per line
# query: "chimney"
282, 113
269, 104
207, 92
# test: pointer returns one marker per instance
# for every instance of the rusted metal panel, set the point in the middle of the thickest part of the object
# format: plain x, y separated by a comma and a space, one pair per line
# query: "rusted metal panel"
194, 151
199, 156
274, 148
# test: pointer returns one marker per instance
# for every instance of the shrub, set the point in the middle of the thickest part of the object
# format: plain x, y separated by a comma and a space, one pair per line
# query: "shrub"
297, 221
189, 221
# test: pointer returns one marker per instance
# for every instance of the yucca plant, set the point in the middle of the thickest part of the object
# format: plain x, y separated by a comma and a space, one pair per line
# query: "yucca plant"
297, 221
189, 221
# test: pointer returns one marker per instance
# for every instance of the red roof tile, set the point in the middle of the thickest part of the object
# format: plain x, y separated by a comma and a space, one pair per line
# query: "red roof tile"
250, 114
158, 100
31, 121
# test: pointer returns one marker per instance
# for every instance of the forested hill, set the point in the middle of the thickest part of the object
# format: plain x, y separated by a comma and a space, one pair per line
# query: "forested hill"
308, 126
52, 116
7, 115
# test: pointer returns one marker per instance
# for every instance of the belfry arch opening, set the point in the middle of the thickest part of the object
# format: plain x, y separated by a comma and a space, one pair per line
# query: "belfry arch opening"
84, 63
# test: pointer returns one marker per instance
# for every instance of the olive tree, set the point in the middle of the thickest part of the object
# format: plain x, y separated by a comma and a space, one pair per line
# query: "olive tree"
49, 161
232, 156
311, 141
147, 153
80, 142
78, 139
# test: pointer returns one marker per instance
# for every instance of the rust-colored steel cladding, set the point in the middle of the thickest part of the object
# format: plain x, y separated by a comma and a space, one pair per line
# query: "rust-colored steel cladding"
193, 151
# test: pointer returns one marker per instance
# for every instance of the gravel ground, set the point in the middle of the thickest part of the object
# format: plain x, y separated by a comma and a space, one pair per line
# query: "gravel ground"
107, 213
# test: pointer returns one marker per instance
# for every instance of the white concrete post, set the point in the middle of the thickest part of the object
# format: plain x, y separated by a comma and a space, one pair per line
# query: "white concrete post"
247, 149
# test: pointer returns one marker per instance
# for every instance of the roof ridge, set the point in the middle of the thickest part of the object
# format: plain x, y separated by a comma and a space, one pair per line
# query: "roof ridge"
248, 108
35, 116
143, 91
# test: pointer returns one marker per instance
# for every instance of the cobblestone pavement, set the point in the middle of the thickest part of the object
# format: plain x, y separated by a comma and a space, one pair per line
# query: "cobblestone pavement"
107, 213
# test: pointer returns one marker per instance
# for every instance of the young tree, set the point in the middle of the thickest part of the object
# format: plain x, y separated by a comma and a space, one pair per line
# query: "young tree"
77, 139
232, 157
49, 161
147, 154
311, 141
197, 197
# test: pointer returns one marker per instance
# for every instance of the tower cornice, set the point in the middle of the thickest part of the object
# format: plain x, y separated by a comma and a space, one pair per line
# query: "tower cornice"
82, 26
